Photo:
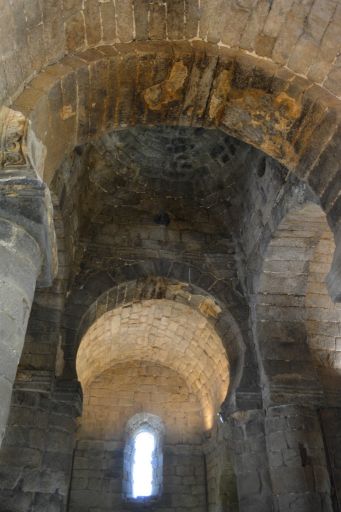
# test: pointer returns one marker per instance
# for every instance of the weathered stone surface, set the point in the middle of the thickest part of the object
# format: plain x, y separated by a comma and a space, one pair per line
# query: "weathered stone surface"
20, 187
186, 84
226, 245
298, 467
15, 303
66, 26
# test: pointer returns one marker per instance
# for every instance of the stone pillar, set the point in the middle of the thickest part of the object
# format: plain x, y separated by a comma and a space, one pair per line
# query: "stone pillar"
37, 453
250, 460
297, 461
27, 247
50, 486
20, 261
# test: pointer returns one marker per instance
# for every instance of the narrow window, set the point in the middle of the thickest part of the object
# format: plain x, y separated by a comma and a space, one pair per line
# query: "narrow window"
144, 448
143, 458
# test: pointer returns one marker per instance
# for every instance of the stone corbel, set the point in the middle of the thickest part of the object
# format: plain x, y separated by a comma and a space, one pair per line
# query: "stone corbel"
24, 199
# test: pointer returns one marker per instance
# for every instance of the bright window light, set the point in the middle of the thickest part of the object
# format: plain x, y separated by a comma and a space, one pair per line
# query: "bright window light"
144, 446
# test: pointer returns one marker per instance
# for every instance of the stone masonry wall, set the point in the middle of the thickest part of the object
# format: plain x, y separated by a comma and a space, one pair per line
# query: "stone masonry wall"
246, 432
97, 479
36, 457
331, 427
221, 479
297, 460
133, 387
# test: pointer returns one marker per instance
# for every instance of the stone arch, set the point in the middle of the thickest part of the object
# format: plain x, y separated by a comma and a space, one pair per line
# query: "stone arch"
148, 423
184, 384
172, 288
294, 35
163, 332
196, 84
297, 323
190, 84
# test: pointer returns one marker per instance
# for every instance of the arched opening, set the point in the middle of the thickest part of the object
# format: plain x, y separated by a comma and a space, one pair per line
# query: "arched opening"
297, 329
297, 263
167, 370
164, 333
196, 84
143, 458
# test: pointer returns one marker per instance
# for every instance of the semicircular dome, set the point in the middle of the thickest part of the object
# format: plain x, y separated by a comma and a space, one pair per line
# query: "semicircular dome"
163, 332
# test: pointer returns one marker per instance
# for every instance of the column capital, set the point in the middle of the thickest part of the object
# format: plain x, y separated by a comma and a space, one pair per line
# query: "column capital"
13, 147
24, 199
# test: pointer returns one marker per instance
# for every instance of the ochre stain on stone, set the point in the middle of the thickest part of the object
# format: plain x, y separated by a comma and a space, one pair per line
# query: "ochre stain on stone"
66, 112
221, 90
209, 308
268, 118
291, 108
168, 91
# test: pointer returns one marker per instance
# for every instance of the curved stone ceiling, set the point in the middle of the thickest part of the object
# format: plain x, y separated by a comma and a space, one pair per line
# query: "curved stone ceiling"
141, 386
162, 332
177, 161
178, 170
